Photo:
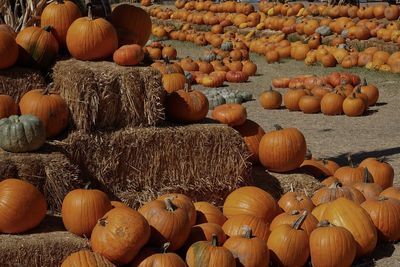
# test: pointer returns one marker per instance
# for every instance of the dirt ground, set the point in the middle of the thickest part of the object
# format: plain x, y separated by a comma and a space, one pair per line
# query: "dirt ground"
376, 134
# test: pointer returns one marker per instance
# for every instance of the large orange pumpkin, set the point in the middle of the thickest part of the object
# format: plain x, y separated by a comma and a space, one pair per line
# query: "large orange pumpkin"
208, 213
184, 202
60, 15
49, 107
282, 150
252, 134
309, 224
8, 50
86, 258
234, 226
230, 114
382, 172
91, 39
22, 206
133, 24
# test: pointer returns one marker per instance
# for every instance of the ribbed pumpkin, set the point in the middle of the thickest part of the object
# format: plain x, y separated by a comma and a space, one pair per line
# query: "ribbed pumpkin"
310, 104
248, 250
368, 188
348, 214
208, 213
353, 106
382, 172
332, 246
168, 222
204, 232
86, 258
230, 114
252, 134
60, 15
8, 106
186, 105
309, 224
385, 213
82, 208
205, 253
173, 81
49, 107
250, 200
351, 174
8, 50
288, 244
391, 192
149, 257
120, 234
332, 104
292, 97
184, 202
282, 150
37, 47
270, 99
22, 206
295, 201
8, 29
91, 39
234, 226
371, 91
132, 23
128, 55
335, 191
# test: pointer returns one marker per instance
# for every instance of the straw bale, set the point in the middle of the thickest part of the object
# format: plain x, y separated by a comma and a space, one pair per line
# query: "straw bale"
105, 96
135, 165
46, 246
17, 81
50, 171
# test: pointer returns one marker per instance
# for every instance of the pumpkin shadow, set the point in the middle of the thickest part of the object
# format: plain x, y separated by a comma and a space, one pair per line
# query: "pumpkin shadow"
359, 156
264, 180
370, 112
382, 250
380, 104
50, 223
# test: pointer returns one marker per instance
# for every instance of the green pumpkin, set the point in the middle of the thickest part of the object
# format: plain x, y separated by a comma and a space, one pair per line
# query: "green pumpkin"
20, 134
246, 96
227, 46
215, 100
233, 98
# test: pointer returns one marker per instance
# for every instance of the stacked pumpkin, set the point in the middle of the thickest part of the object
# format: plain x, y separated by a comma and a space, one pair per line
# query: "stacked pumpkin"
334, 94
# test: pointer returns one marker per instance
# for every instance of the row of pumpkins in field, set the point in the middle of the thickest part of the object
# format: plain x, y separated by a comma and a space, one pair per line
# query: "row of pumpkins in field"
334, 94
85, 38
352, 212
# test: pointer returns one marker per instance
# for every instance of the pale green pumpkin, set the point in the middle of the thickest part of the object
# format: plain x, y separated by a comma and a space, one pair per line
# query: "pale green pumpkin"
20, 134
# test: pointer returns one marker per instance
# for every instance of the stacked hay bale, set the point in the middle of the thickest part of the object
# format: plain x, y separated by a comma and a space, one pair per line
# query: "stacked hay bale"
17, 81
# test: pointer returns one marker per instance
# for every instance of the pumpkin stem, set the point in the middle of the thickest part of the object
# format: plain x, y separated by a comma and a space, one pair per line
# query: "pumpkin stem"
47, 90
87, 186
305, 192
278, 127
89, 8
308, 154
60, 1
47, 28
248, 233
169, 205
382, 198
294, 212
165, 247
365, 81
336, 185
324, 223
382, 159
103, 221
350, 160
214, 240
297, 224
167, 60
291, 187
368, 176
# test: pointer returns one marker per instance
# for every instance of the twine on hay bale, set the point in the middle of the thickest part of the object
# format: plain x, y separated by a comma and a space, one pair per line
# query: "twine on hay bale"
135, 165
51, 172
46, 246
17, 81
105, 96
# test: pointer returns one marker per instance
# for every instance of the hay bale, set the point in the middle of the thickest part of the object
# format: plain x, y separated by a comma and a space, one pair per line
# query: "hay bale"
17, 81
50, 171
46, 246
104, 96
135, 165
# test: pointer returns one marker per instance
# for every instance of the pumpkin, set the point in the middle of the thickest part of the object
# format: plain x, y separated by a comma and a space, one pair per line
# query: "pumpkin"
391, 192
8, 29
186, 105
252, 134
329, 181
368, 188
37, 47
371, 91
230, 114
208, 213
249, 68
82, 208
8, 107
382, 173
22, 206
120, 234
184, 202
250, 200
330, 165
332, 246
205, 253
315, 168
60, 15
394, 62
133, 24
309, 224
91, 39
157, 257
49, 107
128, 55
281, 82
272, 56
271, 99
299, 51
291, 238
168, 222
204, 232
391, 12
351, 174
117, 204
189, 65
295, 201
332, 103
244, 246
86, 258
282, 150
236, 76
335, 191
8, 50
292, 97
353, 106
348, 214
173, 82
20, 134
385, 214
234, 226
310, 104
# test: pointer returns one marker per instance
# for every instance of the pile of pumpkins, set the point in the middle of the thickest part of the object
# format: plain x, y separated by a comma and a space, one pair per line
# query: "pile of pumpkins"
85, 38
333, 94
354, 209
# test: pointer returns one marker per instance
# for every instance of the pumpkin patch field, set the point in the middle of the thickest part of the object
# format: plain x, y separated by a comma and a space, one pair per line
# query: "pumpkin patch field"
199, 134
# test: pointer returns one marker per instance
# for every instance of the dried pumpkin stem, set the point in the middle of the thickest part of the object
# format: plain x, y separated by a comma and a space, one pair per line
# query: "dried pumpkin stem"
165, 247
169, 205
103, 221
48, 88
365, 81
214, 240
278, 127
297, 224
47, 28
350, 160
336, 185
248, 232
294, 212
60, 1
368, 176
383, 198
89, 8
324, 223
87, 185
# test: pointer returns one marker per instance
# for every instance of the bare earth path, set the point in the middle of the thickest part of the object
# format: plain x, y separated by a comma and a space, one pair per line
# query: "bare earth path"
374, 135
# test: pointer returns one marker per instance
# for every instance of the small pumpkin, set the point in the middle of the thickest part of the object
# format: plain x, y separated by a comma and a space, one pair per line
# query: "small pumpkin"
8, 50
332, 103
371, 91
368, 188
351, 174
230, 114
22, 206
184, 202
20, 134
128, 55
310, 104
8, 106
335, 191
236, 76
157, 257
173, 82
204, 232
271, 99
353, 106
86, 258
295, 201
292, 97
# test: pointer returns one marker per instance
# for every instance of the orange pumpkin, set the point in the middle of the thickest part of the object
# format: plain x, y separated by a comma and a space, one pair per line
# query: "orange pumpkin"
295, 201
332, 103
86, 258
234, 226
351, 174
391, 192
8, 50
8, 107
382, 172
271, 99
128, 55
335, 191
149, 256
252, 134
292, 97
230, 114
208, 213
